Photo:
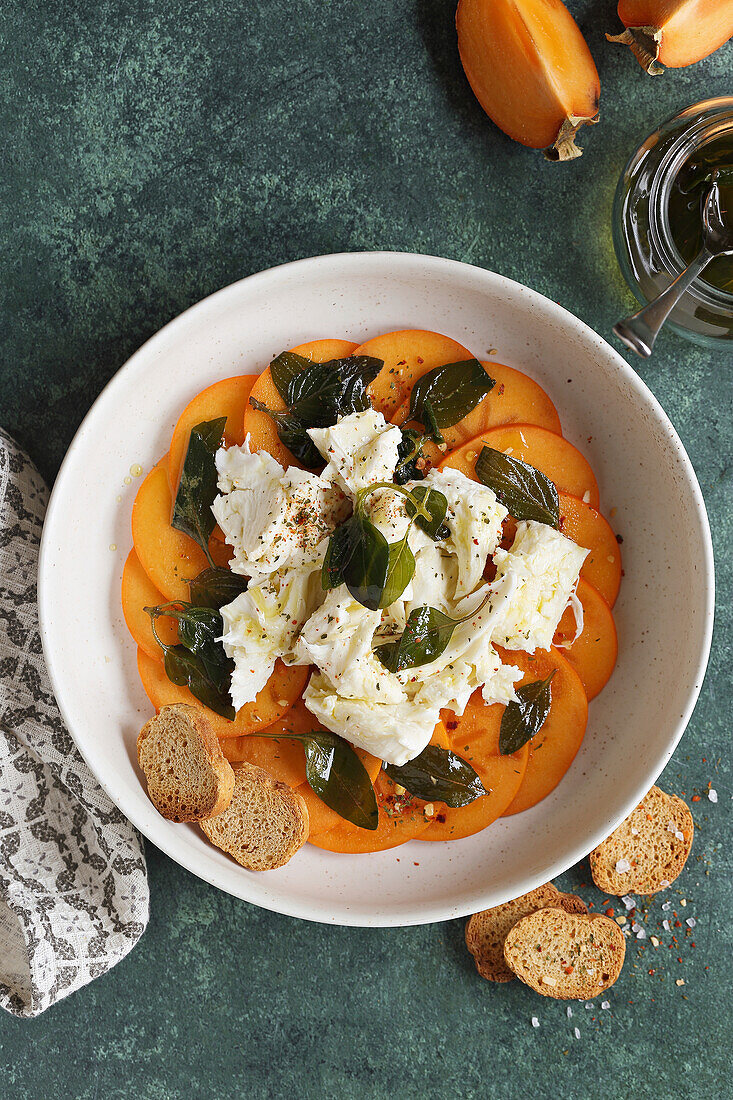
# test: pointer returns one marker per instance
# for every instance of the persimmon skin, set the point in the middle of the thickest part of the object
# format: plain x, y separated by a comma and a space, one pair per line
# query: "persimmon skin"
530, 69
139, 592
674, 33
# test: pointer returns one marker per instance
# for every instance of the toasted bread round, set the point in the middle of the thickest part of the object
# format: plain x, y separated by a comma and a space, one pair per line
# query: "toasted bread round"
486, 931
265, 824
565, 955
648, 850
187, 774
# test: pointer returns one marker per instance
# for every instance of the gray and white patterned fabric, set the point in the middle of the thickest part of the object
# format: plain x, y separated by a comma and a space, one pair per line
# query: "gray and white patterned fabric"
73, 885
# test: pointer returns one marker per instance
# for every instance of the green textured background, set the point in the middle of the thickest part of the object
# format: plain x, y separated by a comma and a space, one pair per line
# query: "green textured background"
154, 152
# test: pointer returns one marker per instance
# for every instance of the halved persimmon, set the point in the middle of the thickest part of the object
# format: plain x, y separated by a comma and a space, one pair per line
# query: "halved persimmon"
139, 592
547, 451
227, 398
675, 33
286, 684
474, 736
407, 356
587, 527
593, 654
530, 69
553, 749
258, 425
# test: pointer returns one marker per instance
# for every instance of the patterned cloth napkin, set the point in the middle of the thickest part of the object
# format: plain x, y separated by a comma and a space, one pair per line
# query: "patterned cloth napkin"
73, 885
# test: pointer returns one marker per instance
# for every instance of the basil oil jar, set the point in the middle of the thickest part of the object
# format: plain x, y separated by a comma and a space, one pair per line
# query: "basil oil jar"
657, 218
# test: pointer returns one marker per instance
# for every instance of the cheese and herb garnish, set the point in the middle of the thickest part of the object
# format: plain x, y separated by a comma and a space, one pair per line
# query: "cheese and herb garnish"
376, 579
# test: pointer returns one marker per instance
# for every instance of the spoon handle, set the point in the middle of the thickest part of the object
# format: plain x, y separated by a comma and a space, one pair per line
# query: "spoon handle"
640, 330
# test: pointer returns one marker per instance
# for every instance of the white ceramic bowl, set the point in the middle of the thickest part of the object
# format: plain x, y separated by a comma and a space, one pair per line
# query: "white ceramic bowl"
664, 611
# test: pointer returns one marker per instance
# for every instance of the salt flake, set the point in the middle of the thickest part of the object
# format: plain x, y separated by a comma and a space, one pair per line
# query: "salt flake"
666, 905
641, 934
605, 1004
713, 794
569, 1011
665, 925
629, 902
576, 1032
535, 1022
622, 866
690, 922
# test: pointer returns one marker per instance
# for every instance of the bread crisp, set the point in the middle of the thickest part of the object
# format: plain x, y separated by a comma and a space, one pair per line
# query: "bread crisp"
486, 931
648, 850
187, 774
265, 824
566, 955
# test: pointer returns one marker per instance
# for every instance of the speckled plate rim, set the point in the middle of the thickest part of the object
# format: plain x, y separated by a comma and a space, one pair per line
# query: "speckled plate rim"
221, 876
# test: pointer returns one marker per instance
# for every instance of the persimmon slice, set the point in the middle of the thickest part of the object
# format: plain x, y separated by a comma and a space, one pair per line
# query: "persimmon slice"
553, 749
547, 451
515, 399
279, 693
587, 527
407, 355
475, 737
139, 592
170, 558
227, 398
258, 425
593, 654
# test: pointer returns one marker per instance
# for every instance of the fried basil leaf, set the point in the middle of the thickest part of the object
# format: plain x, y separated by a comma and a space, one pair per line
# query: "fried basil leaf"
446, 394
437, 774
524, 491
284, 369
187, 669
294, 434
316, 395
198, 661
357, 556
435, 503
336, 774
216, 587
197, 487
400, 571
426, 635
524, 718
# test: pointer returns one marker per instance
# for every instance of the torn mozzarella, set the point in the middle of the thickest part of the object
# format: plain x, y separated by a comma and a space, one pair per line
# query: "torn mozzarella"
544, 566
359, 450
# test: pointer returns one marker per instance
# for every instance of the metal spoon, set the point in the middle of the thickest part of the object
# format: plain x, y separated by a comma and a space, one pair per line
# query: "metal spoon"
640, 330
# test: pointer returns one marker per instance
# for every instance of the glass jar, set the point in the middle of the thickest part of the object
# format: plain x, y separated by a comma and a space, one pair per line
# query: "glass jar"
656, 222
